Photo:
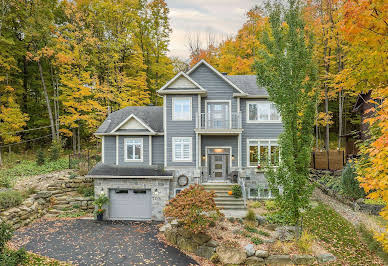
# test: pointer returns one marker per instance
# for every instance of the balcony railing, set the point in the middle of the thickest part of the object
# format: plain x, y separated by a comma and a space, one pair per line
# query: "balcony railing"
209, 121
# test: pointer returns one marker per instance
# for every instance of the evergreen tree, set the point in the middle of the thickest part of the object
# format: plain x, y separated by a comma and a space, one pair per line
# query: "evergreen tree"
286, 68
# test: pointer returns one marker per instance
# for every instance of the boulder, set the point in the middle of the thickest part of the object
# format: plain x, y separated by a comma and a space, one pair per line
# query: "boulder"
231, 255
286, 233
212, 243
201, 238
165, 228
205, 251
184, 232
323, 258
171, 236
279, 260
303, 259
261, 253
250, 250
174, 223
254, 261
261, 219
186, 244
43, 194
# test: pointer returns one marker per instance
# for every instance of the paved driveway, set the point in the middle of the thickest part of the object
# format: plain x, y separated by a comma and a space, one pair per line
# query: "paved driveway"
87, 242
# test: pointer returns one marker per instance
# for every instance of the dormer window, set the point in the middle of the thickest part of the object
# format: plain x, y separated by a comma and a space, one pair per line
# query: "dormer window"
262, 111
181, 109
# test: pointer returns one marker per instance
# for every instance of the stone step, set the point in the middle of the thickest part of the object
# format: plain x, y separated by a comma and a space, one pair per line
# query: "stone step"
232, 207
221, 198
223, 203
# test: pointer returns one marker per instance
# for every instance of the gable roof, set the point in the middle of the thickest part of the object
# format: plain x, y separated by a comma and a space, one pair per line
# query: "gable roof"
217, 72
181, 74
151, 116
248, 84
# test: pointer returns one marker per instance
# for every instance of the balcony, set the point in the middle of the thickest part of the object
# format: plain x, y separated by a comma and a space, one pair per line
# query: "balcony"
218, 124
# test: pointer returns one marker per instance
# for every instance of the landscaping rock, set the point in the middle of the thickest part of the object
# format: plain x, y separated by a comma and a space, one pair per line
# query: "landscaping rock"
165, 228
261, 219
186, 244
231, 255
212, 243
184, 232
285, 233
261, 253
171, 236
250, 250
278, 260
205, 251
323, 258
174, 223
254, 261
269, 241
201, 238
303, 259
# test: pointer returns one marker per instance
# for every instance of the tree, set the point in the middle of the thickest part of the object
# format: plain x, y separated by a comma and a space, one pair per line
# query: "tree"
287, 69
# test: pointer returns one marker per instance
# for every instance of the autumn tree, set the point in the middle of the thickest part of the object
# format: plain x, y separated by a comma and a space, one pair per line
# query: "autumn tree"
287, 69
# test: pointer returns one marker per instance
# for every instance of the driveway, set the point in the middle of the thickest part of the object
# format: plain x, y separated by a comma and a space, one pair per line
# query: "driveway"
87, 242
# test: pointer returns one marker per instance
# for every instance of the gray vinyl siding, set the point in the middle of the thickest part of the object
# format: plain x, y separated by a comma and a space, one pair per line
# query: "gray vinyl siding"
109, 149
145, 151
180, 129
220, 141
158, 150
256, 130
217, 88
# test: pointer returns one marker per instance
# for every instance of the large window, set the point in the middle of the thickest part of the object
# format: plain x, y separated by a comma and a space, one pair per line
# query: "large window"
133, 150
263, 152
181, 109
262, 111
181, 149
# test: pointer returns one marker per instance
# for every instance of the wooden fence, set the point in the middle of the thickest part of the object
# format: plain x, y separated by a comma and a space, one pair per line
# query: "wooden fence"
328, 160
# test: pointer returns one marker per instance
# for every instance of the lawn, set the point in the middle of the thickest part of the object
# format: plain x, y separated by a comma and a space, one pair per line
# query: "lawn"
341, 238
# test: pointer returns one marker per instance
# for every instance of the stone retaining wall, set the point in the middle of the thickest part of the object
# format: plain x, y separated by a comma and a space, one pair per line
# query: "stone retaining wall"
60, 197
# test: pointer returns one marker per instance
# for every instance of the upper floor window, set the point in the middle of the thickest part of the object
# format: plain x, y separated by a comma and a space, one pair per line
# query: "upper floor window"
181, 109
262, 111
133, 150
263, 152
181, 149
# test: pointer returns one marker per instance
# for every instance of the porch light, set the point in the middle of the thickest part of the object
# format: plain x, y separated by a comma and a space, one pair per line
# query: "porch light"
218, 150
232, 157
203, 157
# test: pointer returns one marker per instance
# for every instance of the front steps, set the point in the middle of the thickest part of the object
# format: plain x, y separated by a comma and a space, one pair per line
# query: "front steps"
222, 199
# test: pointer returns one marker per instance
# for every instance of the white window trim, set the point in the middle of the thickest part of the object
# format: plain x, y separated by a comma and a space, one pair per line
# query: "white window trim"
259, 121
248, 154
229, 102
173, 108
190, 153
141, 151
258, 194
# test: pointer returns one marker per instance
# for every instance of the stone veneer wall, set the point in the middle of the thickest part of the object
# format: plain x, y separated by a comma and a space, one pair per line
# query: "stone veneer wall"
59, 197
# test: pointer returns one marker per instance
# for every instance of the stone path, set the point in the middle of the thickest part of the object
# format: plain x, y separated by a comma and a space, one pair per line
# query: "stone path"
88, 242
348, 213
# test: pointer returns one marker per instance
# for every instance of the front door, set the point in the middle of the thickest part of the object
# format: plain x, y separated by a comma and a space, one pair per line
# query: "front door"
218, 115
218, 167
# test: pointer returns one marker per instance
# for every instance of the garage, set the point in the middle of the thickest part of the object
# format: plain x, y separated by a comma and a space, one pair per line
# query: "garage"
130, 204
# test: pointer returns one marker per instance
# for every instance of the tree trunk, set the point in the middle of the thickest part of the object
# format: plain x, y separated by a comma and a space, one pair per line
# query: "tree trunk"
1, 161
79, 141
47, 102
74, 142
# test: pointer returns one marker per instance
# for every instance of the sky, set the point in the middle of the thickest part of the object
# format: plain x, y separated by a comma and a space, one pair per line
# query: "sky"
221, 18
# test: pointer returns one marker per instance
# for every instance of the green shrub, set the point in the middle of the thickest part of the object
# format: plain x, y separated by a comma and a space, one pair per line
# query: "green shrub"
86, 191
40, 157
6, 233
350, 184
251, 216
55, 151
256, 204
263, 233
277, 218
194, 207
256, 240
270, 205
8, 257
5, 181
251, 229
374, 201
10, 198
305, 242
236, 191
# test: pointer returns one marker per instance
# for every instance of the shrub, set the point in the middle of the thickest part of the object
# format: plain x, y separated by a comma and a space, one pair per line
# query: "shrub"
5, 181
236, 191
251, 216
263, 233
10, 198
270, 205
8, 257
251, 229
256, 240
350, 184
55, 150
100, 202
305, 242
86, 191
40, 157
256, 204
194, 207
6, 233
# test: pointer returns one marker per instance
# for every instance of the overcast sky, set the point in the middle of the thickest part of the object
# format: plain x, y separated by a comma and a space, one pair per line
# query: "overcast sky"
220, 17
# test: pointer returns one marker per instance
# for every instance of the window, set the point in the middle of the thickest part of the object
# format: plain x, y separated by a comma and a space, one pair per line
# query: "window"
262, 111
182, 151
133, 149
181, 109
263, 152
262, 192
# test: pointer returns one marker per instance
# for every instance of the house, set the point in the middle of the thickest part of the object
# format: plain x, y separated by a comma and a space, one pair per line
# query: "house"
212, 129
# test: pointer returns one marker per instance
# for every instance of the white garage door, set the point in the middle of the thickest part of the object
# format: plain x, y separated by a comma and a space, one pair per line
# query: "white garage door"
130, 204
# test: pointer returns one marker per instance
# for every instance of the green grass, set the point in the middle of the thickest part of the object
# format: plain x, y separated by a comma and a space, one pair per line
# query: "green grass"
257, 240
251, 229
340, 237
263, 233
11, 198
28, 168
73, 214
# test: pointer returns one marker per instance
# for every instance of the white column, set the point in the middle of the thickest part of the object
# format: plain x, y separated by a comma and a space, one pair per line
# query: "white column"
239, 152
150, 148
102, 150
117, 150
165, 129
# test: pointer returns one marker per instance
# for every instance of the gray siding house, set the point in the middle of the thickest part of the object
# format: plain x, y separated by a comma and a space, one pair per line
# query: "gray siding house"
212, 128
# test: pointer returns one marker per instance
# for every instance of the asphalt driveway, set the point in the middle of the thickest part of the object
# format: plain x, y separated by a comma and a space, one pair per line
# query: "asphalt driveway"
87, 242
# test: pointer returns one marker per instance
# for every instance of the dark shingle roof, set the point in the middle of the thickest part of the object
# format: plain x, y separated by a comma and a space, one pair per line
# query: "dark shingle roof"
152, 116
117, 170
247, 83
